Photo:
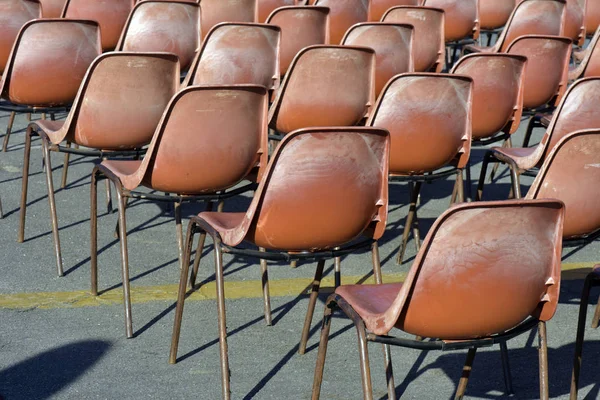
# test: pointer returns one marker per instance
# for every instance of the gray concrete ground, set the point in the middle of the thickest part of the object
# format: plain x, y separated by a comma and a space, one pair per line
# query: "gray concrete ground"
52, 346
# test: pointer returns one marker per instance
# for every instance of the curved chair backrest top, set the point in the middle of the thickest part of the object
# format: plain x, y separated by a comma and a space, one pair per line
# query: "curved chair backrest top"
49, 60
494, 14
533, 17
574, 21
325, 86
461, 18
393, 45
429, 46
266, 7
483, 268
301, 26
342, 15
13, 15
52, 8
429, 120
377, 8
592, 16
547, 72
570, 173
591, 62
110, 15
238, 53
216, 11
323, 188
163, 26
498, 80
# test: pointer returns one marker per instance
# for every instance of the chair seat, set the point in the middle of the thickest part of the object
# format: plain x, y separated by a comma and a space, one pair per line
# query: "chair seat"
125, 171
475, 48
524, 157
51, 129
370, 301
225, 223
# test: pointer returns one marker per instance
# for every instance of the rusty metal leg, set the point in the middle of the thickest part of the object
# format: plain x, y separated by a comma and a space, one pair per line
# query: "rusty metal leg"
466, 372
220, 206
414, 194
24, 182
376, 263
44, 116
124, 261
11, 120
65, 170
199, 248
314, 294
28, 116
179, 230
461, 186
543, 356
265, 287
325, 328
585, 296
294, 264
52, 203
109, 208
337, 266
516, 183
94, 233
181, 293
454, 192
495, 169
222, 322
416, 232
486, 160
506, 368
363, 353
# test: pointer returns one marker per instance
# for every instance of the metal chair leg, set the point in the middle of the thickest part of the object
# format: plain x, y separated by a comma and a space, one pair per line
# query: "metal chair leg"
461, 186
466, 372
124, 262
65, 169
11, 120
506, 143
516, 183
221, 320
414, 194
337, 265
365, 369
543, 356
179, 232
52, 203
486, 160
585, 296
199, 248
506, 368
264, 273
314, 294
325, 328
24, 182
596, 316
94, 233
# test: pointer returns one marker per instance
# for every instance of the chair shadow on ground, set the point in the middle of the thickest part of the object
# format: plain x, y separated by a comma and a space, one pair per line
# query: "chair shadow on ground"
46, 374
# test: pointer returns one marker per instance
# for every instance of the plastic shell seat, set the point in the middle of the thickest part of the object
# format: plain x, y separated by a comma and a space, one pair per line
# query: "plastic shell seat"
494, 14
216, 11
461, 18
13, 15
266, 7
52, 8
377, 8
590, 65
342, 15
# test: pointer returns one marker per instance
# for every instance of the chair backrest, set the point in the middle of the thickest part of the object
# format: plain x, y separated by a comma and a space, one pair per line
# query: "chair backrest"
494, 14
301, 26
591, 61
377, 8
163, 26
461, 18
592, 16
238, 53
498, 80
216, 11
342, 15
209, 139
429, 47
533, 17
483, 268
429, 120
52, 8
110, 15
323, 188
122, 99
266, 7
49, 60
325, 86
574, 21
13, 15
393, 45
547, 72
571, 173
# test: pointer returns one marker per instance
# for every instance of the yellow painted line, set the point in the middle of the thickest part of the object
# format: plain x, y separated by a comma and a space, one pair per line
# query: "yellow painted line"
233, 290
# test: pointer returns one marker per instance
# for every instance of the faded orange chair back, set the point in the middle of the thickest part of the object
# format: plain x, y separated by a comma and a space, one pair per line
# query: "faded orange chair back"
494, 14
216, 11
547, 72
13, 15
110, 15
163, 26
591, 61
266, 7
428, 44
122, 99
533, 17
300, 27
49, 60
592, 16
429, 120
377, 8
483, 268
461, 18
574, 21
52, 8
497, 92
571, 173
325, 86
342, 15
324, 187
393, 45
209, 139
238, 53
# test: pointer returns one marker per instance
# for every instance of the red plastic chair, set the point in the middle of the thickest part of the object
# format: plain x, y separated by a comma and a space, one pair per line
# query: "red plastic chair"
343, 14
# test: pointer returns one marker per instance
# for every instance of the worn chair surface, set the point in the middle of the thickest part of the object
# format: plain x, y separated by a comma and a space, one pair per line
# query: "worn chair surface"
52, 8
216, 11
13, 15
342, 15
461, 18
494, 14
574, 21
592, 16
428, 41
377, 8
266, 7
590, 64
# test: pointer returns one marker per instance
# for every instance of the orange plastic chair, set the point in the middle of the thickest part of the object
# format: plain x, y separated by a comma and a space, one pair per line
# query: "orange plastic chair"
574, 22
340, 94
494, 14
297, 224
342, 15
13, 15
428, 41
592, 16
461, 18
590, 64
216, 11
393, 45
186, 159
429, 120
238, 53
52, 8
455, 294
114, 114
377, 8
110, 15
300, 27
576, 111
163, 26
266, 7
43, 76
